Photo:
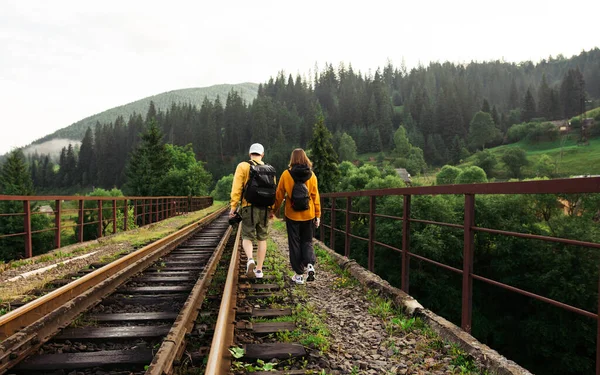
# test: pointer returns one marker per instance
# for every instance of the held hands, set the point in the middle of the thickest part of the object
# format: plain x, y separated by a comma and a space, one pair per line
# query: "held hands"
317, 222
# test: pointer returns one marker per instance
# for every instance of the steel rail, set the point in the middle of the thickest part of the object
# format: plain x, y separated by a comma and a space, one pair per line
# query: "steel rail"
25, 329
172, 346
219, 358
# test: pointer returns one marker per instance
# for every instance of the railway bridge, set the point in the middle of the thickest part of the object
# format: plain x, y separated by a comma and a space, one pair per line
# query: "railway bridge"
157, 285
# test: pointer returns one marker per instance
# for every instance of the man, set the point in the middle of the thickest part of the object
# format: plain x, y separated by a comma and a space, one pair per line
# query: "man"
256, 197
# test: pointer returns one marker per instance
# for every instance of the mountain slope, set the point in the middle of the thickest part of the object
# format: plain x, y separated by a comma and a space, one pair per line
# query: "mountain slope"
76, 131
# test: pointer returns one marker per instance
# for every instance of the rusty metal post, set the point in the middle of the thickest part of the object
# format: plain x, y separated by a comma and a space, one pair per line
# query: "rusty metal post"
114, 202
467, 281
406, 244
347, 242
143, 212
135, 212
598, 330
332, 230
371, 233
321, 231
100, 218
57, 220
80, 220
125, 215
27, 227
151, 209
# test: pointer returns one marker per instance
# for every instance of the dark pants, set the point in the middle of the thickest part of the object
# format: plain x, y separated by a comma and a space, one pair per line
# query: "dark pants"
300, 235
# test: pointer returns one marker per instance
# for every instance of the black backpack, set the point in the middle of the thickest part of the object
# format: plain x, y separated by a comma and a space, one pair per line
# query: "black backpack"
260, 189
300, 197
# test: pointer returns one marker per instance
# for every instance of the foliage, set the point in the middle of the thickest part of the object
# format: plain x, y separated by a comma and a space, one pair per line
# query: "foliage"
148, 163
222, 189
347, 148
515, 158
90, 214
544, 166
486, 160
402, 143
482, 130
16, 180
447, 175
416, 162
324, 158
471, 175
186, 176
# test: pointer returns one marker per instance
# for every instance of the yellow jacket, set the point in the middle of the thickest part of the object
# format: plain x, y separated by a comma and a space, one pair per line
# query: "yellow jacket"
284, 188
240, 179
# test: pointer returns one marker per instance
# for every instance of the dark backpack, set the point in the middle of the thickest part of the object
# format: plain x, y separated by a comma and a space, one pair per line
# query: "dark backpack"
300, 197
260, 189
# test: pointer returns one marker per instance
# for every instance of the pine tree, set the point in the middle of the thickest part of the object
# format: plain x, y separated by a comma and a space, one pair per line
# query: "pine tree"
496, 118
15, 178
485, 107
62, 168
513, 98
151, 114
70, 167
148, 163
86, 159
528, 110
545, 99
401, 142
323, 157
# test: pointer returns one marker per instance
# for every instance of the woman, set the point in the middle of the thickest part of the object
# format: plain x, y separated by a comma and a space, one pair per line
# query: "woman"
298, 186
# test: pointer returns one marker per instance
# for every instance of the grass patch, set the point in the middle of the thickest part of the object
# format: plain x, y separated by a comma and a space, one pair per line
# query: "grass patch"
311, 329
570, 158
343, 278
399, 325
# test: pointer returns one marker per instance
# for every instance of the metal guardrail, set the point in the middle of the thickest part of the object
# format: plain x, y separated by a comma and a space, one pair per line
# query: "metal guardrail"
147, 210
559, 186
23, 330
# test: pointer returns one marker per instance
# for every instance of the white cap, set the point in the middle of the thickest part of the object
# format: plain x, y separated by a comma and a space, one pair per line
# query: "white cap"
257, 148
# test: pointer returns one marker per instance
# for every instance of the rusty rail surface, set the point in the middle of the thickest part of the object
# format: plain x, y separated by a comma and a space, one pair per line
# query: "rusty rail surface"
173, 345
558, 186
147, 210
25, 329
219, 358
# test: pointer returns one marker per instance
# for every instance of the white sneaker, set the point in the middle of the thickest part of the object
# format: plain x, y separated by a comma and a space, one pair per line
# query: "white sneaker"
258, 274
250, 268
298, 279
311, 272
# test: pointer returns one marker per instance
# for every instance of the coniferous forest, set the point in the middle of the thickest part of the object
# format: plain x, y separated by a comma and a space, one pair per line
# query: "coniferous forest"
424, 118
436, 106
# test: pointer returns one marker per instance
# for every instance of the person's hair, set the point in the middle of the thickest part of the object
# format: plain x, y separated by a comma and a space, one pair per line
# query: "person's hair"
299, 158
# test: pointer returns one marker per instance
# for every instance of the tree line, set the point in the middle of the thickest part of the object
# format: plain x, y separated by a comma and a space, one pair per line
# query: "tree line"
447, 111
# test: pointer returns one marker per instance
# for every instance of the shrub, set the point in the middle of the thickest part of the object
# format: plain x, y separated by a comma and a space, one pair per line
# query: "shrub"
222, 190
471, 175
447, 175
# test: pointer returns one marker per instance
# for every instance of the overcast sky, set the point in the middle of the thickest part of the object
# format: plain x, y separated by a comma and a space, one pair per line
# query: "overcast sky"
61, 61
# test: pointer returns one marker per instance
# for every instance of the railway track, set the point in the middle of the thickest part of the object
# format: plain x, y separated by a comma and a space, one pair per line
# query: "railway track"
254, 316
137, 314
131, 315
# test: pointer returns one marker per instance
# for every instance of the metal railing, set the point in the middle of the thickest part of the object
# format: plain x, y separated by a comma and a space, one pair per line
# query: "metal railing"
146, 210
560, 186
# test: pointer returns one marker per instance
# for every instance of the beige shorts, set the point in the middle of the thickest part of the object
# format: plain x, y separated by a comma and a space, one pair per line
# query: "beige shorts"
254, 225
